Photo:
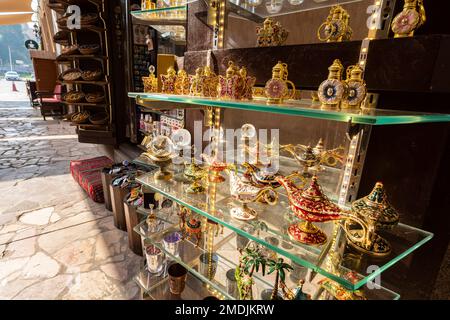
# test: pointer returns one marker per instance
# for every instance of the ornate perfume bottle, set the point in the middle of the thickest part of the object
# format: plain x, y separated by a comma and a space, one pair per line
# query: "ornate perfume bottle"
336, 27
196, 86
277, 89
332, 90
168, 81
182, 83
412, 17
378, 214
236, 84
150, 82
356, 88
271, 33
209, 82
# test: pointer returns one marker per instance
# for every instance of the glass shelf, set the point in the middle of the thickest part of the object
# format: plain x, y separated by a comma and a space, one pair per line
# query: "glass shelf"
168, 15
273, 8
403, 239
189, 257
304, 108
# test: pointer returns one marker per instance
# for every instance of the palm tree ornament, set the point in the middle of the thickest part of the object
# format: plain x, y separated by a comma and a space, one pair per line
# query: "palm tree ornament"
250, 261
280, 268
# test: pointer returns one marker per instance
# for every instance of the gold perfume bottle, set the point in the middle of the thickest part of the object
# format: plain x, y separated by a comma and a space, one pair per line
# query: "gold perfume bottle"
182, 83
332, 90
412, 17
271, 33
336, 27
168, 81
196, 82
356, 88
277, 89
209, 82
235, 84
150, 82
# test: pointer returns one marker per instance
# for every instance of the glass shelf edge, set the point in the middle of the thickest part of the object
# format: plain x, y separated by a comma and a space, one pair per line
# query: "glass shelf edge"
332, 115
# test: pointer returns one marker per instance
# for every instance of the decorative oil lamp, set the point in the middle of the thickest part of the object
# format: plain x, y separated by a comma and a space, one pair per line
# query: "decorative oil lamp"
308, 157
182, 83
150, 82
168, 81
332, 90
161, 153
356, 88
245, 193
311, 205
336, 27
271, 33
276, 89
412, 17
378, 214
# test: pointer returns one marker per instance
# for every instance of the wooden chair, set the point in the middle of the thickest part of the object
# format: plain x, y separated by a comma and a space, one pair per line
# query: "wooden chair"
31, 91
51, 102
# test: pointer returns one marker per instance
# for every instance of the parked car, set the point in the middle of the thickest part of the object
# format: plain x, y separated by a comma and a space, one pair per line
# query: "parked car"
12, 76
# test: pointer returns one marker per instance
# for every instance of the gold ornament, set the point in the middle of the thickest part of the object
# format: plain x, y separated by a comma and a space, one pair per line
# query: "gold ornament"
182, 83
236, 84
210, 82
356, 88
412, 17
168, 81
332, 90
276, 89
336, 27
271, 33
150, 82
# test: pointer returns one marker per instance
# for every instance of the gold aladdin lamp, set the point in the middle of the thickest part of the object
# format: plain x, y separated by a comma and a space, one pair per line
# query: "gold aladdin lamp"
161, 152
150, 82
412, 17
276, 89
378, 214
332, 90
356, 88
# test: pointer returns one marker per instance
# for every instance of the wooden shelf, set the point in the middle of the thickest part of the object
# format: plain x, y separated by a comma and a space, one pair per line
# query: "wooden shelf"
86, 104
65, 58
99, 82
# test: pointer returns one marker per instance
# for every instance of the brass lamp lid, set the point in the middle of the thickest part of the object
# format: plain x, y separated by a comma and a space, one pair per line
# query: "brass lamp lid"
376, 208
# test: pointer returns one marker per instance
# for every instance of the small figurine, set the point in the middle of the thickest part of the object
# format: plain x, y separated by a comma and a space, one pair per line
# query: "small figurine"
271, 33
296, 294
182, 83
280, 268
276, 89
356, 88
168, 81
150, 82
332, 90
193, 229
336, 27
412, 17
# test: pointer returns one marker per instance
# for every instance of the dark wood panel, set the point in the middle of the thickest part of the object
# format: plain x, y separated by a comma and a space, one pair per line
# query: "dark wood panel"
307, 64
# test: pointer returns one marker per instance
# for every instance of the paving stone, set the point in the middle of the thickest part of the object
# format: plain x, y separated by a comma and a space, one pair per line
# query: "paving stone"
38, 217
47, 289
76, 253
40, 266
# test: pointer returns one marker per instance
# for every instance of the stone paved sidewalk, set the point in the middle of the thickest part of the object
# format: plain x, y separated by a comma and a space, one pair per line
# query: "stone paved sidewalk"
55, 243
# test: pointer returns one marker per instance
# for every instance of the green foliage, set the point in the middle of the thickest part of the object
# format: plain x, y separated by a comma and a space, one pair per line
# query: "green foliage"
280, 267
253, 259
14, 37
